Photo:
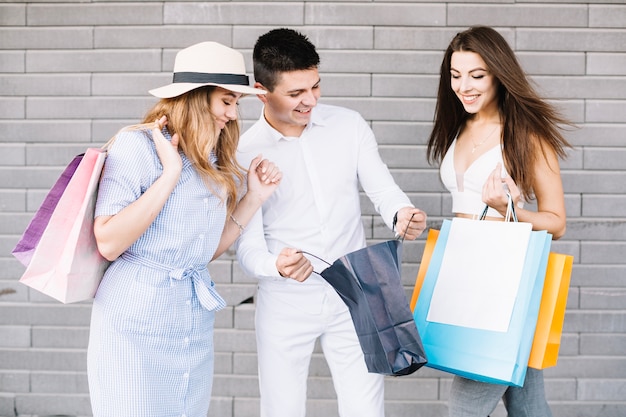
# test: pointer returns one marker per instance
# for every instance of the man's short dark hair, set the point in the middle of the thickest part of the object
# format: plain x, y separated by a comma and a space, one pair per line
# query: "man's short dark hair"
282, 50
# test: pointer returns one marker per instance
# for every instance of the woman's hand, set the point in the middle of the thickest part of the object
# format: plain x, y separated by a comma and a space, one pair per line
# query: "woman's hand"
167, 150
263, 178
496, 188
114, 234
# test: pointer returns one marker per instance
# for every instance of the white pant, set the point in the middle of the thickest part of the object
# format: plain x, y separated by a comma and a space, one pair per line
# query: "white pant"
286, 335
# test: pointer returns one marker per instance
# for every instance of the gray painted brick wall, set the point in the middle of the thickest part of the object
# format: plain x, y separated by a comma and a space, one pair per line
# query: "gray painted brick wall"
73, 73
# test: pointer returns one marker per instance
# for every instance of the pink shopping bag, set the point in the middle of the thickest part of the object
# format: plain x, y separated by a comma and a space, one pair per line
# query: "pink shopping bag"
66, 264
25, 248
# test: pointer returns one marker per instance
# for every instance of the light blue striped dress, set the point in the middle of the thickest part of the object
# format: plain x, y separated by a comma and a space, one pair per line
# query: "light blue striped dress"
151, 337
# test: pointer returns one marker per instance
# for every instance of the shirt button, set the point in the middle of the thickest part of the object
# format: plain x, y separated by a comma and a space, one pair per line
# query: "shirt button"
188, 302
186, 340
185, 375
201, 236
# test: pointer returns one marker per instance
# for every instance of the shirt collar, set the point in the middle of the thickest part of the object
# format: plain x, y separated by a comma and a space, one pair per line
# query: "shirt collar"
316, 120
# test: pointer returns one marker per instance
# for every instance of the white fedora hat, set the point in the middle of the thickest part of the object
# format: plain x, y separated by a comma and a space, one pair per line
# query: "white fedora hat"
207, 63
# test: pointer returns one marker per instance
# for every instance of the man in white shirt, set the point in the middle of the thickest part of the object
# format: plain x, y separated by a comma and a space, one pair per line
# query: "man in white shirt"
325, 153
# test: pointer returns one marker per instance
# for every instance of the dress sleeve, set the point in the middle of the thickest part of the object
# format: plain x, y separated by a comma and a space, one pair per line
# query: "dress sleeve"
130, 167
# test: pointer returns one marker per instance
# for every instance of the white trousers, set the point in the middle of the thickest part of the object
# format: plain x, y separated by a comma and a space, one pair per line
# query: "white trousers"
286, 331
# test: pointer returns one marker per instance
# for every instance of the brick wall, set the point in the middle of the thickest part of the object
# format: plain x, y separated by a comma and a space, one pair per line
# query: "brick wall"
72, 73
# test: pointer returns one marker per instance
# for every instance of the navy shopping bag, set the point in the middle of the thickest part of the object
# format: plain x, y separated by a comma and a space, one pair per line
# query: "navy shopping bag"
369, 282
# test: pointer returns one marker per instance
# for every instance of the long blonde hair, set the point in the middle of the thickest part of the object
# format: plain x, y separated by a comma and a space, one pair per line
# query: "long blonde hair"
189, 115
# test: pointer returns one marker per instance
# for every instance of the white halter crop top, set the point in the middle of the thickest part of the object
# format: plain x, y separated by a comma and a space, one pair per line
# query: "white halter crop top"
466, 188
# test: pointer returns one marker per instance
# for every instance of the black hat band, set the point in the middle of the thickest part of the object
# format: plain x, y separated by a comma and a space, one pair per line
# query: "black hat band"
203, 78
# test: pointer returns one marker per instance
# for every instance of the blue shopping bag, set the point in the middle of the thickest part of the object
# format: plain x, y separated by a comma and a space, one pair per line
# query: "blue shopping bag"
494, 352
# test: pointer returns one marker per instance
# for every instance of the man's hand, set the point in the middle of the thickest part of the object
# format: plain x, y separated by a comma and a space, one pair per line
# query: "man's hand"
411, 221
291, 263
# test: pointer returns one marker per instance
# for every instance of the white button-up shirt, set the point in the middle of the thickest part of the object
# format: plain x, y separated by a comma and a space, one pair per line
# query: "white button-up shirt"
316, 208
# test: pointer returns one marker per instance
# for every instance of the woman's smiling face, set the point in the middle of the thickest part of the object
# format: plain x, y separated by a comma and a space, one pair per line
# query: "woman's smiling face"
223, 105
472, 82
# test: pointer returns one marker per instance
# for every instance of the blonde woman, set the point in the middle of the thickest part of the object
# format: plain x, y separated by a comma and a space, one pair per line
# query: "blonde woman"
169, 202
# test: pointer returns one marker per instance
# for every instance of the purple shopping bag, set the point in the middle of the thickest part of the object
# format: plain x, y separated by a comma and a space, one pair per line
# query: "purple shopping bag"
66, 264
25, 248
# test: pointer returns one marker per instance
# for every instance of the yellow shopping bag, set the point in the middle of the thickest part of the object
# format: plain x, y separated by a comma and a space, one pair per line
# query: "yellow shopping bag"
547, 340
431, 240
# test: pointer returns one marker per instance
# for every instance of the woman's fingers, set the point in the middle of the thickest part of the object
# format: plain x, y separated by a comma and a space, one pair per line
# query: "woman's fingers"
266, 170
166, 150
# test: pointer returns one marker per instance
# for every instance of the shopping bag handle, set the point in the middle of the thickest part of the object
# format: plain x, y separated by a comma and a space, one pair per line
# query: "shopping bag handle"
315, 256
510, 210
405, 230
329, 264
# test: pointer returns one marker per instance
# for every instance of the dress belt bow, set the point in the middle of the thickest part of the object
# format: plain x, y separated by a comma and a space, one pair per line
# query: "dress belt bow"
207, 294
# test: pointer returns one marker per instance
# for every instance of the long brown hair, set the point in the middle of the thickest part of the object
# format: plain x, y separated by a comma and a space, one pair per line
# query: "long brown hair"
528, 122
189, 115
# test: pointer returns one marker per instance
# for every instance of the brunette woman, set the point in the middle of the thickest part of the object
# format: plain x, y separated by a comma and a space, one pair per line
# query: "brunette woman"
494, 135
